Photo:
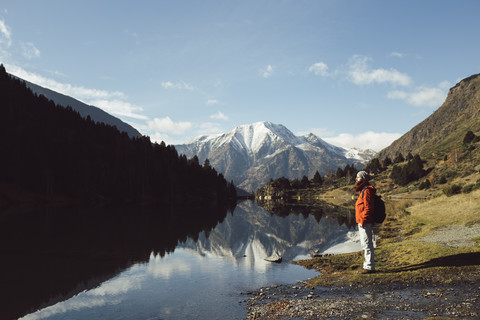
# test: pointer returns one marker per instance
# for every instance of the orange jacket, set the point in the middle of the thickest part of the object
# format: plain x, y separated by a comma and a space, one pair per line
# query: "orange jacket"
364, 205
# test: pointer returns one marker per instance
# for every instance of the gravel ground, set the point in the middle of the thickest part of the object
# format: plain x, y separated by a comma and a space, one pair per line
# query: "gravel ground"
392, 301
395, 301
454, 236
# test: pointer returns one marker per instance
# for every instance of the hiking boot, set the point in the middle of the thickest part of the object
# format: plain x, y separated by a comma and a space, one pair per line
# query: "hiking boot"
366, 271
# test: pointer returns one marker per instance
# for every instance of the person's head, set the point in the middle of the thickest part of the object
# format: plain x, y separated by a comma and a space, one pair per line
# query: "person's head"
362, 176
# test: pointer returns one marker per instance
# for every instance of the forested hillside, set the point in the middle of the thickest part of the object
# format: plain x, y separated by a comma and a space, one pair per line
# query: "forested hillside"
49, 149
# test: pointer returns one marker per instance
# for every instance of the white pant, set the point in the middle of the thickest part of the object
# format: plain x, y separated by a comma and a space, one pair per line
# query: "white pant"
366, 241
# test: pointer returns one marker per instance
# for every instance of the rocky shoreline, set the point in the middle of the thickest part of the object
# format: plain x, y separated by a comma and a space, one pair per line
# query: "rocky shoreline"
428, 267
460, 300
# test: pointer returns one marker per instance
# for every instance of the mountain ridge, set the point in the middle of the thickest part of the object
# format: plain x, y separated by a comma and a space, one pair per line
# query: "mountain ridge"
439, 132
252, 154
95, 113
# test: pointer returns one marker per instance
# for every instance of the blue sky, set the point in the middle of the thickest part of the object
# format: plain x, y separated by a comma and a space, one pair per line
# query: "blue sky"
356, 73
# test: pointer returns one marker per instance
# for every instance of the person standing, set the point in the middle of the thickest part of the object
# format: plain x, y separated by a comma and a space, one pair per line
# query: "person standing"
364, 218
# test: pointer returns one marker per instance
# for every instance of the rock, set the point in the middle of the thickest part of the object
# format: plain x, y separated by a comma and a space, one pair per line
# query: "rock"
274, 258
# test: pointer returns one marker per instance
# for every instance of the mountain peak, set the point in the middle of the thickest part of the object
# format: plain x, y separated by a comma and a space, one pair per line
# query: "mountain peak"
252, 154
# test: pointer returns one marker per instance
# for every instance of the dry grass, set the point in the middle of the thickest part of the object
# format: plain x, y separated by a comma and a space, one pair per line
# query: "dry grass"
400, 256
462, 209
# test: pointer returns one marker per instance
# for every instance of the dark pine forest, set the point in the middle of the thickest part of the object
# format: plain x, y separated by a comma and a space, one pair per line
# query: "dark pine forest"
50, 149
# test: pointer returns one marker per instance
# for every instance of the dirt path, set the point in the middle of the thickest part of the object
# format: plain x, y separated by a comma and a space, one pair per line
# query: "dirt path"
455, 236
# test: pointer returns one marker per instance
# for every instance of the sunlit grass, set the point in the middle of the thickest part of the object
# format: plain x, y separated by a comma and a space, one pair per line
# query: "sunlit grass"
462, 209
400, 256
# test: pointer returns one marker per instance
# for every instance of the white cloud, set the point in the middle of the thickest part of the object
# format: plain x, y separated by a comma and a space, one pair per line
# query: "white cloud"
180, 132
219, 116
29, 50
397, 54
361, 74
120, 108
320, 69
78, 92
168, 268
319, 132
267, 72
212, 102
177, 85
367, 140
158, 137
209, 128
5, 34
423, 96
168, 126
112, 102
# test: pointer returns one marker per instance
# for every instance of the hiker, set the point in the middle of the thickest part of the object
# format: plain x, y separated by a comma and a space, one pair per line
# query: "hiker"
364, 218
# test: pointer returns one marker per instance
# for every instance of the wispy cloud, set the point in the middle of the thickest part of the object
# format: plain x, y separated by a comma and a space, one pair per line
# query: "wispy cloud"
120, 108
367, 140
171, 132
212, 102
112, 102
423, 96
208, 128
177, 85
167, 125
397, 54
267, 72
319, 69
320, 132
361, 74
5, 34
29, 50
219, 116
78, 92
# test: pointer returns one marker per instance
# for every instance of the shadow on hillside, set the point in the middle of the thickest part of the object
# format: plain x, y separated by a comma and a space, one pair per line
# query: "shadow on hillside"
457, 260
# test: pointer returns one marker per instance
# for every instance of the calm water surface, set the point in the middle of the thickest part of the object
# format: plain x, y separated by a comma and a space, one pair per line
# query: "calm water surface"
206, 275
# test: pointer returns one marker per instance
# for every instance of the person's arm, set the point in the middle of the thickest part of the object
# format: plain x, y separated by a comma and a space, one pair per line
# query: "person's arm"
368, 203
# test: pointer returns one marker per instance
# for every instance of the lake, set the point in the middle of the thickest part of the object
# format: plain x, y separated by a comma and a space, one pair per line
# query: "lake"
88, 264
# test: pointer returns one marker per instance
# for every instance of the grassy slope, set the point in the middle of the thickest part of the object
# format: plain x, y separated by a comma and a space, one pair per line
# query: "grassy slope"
401, 256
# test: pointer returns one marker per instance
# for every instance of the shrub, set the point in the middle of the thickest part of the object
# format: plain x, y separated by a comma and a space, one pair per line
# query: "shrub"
442, 179
468, 188
424, 185
452, 189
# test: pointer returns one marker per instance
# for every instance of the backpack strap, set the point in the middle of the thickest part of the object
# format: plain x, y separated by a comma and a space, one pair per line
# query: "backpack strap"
363, 192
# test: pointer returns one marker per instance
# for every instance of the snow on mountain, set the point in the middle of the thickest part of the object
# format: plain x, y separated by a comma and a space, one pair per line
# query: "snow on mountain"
358, 154
251, 155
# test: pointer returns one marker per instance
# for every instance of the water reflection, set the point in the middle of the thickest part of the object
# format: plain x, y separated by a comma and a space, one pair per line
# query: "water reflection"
51, 254
253, 233
135, 265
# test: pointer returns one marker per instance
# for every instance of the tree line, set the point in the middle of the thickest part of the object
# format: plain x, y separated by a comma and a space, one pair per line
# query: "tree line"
51, 149
405, 170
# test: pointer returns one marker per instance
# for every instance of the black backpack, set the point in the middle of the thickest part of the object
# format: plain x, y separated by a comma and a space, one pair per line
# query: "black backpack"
379, 213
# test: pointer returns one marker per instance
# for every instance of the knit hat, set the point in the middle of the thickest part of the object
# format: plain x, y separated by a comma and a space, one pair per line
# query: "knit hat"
363, 175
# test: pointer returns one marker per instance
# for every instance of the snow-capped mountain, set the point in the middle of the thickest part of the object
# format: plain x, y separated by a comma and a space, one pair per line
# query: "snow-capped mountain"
251, 155
359, 154
253, 233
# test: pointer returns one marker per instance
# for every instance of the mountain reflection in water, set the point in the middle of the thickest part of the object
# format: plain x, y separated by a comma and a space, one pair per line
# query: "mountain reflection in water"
137, 264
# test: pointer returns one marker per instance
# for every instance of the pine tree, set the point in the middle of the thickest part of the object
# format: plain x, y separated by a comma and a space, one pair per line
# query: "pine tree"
469, 137
317, 178
386, 162
398, 158
305, 182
